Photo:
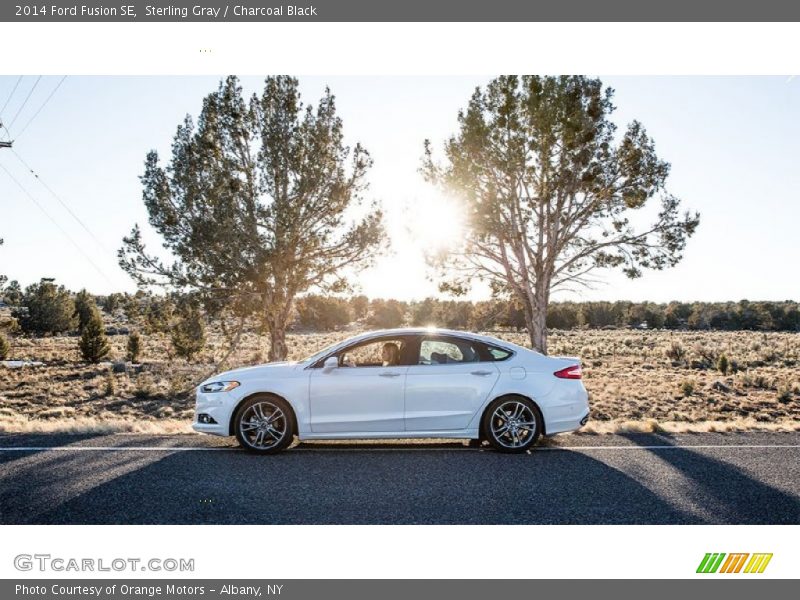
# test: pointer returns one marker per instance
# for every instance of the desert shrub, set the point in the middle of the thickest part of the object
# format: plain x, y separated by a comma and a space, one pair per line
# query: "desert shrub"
5, 347
46, 308
675, 352
110, 386
687, 387
322, 313
134, 347
189, 335
93, 344
707, 354
723, 365
784, 394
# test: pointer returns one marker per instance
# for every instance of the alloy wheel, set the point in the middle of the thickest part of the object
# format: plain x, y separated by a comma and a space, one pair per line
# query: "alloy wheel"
513, 424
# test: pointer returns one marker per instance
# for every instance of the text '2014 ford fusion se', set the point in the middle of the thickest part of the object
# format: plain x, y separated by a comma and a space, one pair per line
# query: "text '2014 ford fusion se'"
399, 383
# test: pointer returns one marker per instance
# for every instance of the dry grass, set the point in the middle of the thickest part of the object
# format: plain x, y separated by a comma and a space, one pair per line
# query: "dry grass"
638, 381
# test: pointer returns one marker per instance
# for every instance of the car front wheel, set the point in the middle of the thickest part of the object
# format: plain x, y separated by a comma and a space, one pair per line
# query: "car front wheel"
264, 424
512, 424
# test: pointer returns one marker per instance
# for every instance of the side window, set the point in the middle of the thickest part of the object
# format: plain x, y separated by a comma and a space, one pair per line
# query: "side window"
381, 353
442, 352
497, 354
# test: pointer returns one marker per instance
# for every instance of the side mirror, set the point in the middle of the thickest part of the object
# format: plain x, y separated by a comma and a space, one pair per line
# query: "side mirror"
330, 364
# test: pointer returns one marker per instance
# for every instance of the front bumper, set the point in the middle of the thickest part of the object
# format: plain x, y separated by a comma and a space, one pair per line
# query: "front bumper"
217, 407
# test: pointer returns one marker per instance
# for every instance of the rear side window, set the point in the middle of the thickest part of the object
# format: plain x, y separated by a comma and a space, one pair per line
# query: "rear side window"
497, 354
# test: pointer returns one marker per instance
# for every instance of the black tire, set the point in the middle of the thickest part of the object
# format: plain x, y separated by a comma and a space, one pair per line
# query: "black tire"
266, 419
516, 419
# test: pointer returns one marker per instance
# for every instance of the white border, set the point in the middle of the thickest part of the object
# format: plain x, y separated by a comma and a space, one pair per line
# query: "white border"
399, 48
458, 552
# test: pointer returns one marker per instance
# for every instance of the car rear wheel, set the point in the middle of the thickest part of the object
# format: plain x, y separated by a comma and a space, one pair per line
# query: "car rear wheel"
264, 424
512, 424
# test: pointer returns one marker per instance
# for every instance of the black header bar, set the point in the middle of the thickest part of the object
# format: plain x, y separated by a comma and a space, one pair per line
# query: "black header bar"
400, 10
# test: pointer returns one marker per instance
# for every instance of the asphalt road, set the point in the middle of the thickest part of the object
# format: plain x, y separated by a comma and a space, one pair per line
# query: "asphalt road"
637, 479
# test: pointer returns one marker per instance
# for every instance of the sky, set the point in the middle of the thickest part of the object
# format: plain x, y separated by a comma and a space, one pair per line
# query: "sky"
733, 143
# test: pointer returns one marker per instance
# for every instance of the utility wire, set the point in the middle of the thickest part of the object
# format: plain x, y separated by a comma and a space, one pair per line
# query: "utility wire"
24, 102
52, 220
36, 114
11, 95
61, 202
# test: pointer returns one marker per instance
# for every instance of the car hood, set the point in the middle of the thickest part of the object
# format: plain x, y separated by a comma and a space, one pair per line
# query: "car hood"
277, 369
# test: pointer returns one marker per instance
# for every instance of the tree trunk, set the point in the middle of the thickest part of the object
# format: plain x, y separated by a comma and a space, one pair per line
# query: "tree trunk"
277, 341
536, 315
538, 328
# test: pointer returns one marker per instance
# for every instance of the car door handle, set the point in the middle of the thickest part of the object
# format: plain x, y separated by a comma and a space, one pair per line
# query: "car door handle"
481, 373
389, 374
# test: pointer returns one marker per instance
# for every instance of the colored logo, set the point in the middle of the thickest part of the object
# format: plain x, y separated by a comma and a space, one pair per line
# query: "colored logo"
719, 562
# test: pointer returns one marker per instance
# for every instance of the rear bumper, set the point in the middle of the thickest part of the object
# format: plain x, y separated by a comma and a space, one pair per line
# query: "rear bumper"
566, 408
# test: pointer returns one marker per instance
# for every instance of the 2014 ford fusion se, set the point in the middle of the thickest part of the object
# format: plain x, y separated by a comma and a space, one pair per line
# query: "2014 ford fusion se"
399, 383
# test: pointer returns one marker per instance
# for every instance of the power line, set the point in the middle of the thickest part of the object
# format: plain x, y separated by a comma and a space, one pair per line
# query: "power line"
58, 226
11, 95
61, 202
24, 102
36, 114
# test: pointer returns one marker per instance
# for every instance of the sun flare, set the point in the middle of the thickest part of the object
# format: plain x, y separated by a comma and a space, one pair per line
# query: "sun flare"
436, 223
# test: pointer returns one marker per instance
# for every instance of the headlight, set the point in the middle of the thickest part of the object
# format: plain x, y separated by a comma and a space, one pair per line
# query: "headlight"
219, 386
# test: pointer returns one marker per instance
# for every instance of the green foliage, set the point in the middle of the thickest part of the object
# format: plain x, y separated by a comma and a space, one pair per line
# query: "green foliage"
134, 347
158, 314
5, 347
723, 364
687, 387
12, 293
93, 344
189, 335
85, 307
386, 314
323, 313
256, 205
46, 308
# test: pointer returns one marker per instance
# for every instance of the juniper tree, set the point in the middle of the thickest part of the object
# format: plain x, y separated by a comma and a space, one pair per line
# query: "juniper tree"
46, 308
93, 344
134, 347
549, 190
260, 201
84, 308
188, 334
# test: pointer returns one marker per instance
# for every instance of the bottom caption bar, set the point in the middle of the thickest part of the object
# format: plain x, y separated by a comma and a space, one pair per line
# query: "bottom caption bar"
373, 589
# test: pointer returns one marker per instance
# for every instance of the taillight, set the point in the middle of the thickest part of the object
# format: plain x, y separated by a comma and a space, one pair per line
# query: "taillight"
571, 372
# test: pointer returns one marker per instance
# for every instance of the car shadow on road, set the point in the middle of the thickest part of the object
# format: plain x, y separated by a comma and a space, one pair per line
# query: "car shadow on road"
332, 486
729, 494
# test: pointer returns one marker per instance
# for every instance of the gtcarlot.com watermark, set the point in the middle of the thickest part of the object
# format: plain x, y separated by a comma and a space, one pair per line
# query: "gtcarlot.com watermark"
47, 562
